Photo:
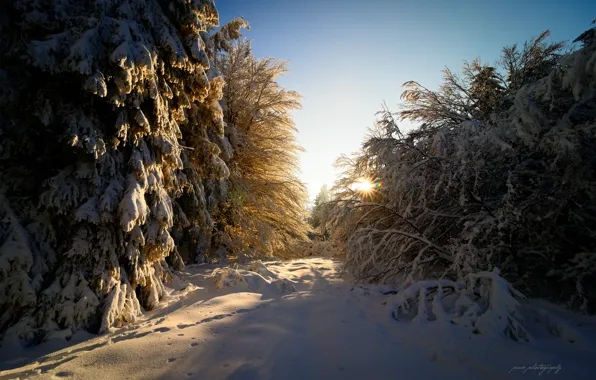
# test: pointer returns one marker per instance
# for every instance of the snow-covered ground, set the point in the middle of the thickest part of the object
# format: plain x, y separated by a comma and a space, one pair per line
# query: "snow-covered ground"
292, 320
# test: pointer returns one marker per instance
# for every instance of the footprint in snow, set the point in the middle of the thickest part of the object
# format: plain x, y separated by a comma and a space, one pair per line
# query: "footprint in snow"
63, 374
298, 268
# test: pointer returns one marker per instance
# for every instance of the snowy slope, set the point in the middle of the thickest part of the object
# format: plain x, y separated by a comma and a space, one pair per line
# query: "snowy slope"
292, 320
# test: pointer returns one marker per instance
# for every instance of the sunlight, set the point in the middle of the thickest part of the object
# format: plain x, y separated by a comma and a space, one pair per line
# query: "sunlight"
363, 186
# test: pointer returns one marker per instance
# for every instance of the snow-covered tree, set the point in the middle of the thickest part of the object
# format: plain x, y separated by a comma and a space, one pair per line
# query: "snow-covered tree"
481, 89
318, 209
466, 193
95, 98
486, 87
534, 61
265, 209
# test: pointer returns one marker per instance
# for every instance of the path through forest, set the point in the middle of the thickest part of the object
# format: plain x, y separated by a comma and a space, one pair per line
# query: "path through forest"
283, 320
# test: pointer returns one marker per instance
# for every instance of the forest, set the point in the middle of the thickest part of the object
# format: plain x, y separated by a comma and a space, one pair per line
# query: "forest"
142, 143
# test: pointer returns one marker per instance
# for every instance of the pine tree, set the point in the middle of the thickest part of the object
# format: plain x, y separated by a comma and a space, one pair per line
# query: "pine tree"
95, 99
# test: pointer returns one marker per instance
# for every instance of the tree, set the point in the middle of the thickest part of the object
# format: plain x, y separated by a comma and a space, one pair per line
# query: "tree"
486, 88
264, 212
464, 193
95, 99
537, 58
318, 210
482, 90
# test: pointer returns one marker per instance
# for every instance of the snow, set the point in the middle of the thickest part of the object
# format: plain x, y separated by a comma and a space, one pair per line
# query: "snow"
239, 322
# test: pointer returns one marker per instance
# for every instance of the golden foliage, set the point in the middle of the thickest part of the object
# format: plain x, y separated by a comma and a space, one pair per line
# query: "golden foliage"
266, 207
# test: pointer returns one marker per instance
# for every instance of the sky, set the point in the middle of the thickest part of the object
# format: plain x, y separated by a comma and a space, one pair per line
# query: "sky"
348, 57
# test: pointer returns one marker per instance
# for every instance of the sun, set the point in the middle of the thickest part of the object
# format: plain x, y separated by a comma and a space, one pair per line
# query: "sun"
363, 185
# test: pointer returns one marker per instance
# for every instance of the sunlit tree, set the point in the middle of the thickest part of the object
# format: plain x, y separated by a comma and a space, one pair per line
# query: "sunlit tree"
321, 201
265, 210
470, 190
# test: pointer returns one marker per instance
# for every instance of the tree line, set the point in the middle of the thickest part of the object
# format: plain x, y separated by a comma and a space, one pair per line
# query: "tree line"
499, 173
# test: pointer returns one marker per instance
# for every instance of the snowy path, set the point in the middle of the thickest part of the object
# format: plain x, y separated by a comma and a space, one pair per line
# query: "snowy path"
327, 329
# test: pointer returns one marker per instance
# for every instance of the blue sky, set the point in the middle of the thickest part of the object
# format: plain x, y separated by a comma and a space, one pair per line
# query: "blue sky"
347, 57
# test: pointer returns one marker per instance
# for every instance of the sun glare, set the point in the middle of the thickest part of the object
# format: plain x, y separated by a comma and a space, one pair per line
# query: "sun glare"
363, 185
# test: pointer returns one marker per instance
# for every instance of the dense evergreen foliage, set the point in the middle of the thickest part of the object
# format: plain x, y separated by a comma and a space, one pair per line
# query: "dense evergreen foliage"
116, 161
